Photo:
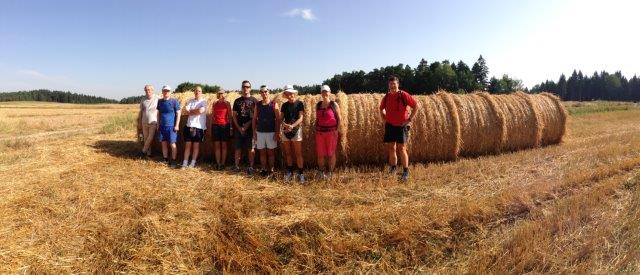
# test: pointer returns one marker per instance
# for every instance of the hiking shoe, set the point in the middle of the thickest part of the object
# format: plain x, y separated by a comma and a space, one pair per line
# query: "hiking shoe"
392, 170
405, 176
301, 178
250, 171
287, 176
264, 173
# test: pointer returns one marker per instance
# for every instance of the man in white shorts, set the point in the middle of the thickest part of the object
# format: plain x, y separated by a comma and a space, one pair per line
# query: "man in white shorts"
266, 121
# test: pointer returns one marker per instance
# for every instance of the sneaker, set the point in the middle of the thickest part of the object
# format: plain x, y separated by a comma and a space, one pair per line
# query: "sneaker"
173, 164
324, 176
236, 169
192, 165
264, 173
287, 176
405, 176
392, 170
250, 170
329, 175
301, 178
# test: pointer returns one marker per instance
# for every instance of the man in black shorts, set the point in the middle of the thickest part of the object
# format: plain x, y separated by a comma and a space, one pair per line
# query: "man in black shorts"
393, 109
242, 132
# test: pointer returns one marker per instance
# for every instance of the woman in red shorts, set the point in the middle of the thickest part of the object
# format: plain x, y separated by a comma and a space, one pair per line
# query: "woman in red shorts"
327, 122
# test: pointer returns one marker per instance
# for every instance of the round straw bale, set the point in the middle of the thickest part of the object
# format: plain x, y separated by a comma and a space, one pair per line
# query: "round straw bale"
521, 123
553, 117
481, 124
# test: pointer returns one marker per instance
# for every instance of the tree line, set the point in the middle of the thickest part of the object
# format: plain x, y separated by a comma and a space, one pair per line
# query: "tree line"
599, 86
54, 96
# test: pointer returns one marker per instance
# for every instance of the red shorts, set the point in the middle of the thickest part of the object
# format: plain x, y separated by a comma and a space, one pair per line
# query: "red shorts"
326, 143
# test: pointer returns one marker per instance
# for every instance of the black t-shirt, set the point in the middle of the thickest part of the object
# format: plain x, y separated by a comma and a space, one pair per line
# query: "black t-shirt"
291, 111
243, 107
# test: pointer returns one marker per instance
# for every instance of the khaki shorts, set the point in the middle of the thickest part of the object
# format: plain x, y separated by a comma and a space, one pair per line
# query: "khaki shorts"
297, 137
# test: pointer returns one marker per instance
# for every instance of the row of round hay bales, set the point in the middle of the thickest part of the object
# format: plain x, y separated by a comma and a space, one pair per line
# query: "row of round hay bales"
446, 126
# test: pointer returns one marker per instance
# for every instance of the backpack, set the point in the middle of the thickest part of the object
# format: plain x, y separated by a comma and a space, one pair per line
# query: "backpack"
332, 106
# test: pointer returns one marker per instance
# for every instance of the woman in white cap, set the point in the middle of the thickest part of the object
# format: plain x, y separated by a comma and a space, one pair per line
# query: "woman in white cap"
292, 114
327, 122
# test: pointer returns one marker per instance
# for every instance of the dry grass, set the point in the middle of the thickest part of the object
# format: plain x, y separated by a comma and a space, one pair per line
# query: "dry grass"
88, 205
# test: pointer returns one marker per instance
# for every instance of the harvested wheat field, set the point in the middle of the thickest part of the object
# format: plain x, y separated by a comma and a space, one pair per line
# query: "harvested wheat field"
83, 202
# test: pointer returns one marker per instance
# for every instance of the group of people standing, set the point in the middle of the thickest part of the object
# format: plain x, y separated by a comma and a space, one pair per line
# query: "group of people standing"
263, 125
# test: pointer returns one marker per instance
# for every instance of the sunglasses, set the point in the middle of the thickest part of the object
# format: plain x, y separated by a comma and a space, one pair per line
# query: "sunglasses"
246, 87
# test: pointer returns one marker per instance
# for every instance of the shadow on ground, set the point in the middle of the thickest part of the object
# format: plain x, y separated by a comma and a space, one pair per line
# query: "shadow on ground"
127, 149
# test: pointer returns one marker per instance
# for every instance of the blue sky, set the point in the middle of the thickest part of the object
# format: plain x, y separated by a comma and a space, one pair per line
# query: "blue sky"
113, 48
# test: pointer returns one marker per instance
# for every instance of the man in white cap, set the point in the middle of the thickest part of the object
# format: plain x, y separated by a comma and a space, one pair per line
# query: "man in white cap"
168, 125
148, 119
266, 120
292, 114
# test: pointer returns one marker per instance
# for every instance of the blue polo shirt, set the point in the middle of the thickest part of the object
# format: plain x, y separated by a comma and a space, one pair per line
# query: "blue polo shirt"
168, 109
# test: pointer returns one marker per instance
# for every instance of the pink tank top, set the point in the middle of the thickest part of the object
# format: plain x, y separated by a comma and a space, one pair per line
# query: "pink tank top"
326, 120
220, 110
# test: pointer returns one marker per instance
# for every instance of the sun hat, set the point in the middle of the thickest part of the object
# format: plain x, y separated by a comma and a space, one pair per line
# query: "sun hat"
290, 89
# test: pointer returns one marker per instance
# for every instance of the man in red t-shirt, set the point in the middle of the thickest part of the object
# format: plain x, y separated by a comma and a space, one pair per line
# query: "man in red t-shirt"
393, 109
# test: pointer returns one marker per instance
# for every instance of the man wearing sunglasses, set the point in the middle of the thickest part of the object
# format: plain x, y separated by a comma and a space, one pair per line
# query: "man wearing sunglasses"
242, 131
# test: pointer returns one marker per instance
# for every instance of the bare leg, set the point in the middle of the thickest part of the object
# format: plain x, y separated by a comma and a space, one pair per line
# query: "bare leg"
297, 146
196, 150
272, 158
321, 163
238, 155
165, 150
404, 156
263, 158
216, 151
332, 162
187, 150
287, 153
391, 153
252, 156
224, 153
174, 151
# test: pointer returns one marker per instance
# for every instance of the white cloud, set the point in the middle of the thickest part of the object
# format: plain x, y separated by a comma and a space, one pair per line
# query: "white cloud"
305, 14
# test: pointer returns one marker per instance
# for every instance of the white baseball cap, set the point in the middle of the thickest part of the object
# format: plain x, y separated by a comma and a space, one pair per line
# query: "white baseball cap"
290, 89
264, 88
166, 87
325, 88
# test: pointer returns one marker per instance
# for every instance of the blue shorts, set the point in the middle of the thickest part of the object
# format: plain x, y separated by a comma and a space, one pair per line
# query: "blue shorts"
166, 133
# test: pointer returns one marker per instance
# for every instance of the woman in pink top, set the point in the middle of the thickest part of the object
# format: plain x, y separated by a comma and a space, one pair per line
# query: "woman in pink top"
327, 121
221, 128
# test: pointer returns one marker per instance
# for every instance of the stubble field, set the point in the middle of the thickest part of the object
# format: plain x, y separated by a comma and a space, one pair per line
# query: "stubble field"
74, 197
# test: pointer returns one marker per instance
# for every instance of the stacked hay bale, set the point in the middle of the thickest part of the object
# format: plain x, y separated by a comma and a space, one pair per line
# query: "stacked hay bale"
446, 126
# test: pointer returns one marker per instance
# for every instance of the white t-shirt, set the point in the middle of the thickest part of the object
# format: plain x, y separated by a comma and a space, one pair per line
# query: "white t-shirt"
149, 108
197, 121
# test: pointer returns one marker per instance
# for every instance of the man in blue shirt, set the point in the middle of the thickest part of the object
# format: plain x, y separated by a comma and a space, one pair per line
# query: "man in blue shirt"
168, 125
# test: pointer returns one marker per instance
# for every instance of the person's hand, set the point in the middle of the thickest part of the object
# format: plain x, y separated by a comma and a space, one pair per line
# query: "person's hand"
255, 137
242, 131
176, 128
406, 122
157, 126
276, 137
